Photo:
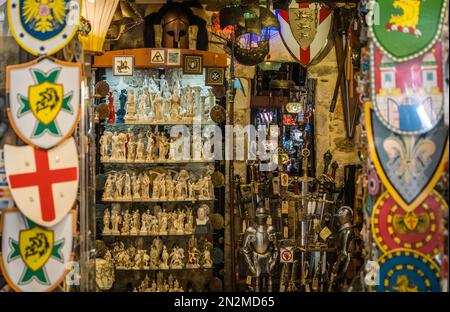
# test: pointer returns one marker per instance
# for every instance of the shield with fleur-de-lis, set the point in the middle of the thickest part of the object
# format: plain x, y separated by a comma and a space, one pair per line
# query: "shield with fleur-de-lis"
44, 100
409, 165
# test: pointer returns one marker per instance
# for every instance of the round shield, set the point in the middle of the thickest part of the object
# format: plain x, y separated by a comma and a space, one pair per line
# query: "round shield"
419, 229
218, 114
404, 270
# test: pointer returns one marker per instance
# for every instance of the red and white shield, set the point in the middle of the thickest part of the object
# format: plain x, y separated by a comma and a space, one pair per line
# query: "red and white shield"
43, 183
304, 39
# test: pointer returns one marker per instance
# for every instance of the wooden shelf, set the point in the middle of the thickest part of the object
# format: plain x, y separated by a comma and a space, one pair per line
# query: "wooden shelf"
167, 270
155, 200
142, 58
173, 162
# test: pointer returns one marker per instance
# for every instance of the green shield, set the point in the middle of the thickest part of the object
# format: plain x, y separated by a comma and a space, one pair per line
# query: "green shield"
405, 29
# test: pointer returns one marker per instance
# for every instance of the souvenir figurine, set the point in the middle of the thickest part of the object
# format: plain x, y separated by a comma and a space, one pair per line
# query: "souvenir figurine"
163, 223
106, 221
170, 188
172, 223
145, 185
260, 250
158, 186
207, 262
105, 145
118, 184
163, 265
163, 85
150, 146
163, 147
176, 258
155, 252
157, 106
153, 288
180, 227
108, 189
166, 106
140, 149
116, 221
135, 186
154, 225
115, 147
189, 222
121, 111
142, 106
112, 112
138, 260
127, 187
126, 223
146, 260
176, 286
197, 149
144, 284
144, 224
131, 147
131, 108
193, 254
181, 185
135, 223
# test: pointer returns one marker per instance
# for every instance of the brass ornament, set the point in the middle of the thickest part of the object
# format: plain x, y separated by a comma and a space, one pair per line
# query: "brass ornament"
218, 114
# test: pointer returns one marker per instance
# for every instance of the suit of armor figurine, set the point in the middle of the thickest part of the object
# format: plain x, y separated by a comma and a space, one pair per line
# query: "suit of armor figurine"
345, 244
260, 250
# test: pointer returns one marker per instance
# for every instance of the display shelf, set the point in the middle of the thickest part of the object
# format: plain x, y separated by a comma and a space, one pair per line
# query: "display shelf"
162, 162
165, 270
154, 235
156, 200
162, 123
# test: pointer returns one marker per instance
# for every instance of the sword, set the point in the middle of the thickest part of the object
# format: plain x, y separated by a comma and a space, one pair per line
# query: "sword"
292, 279
305, 179
304, 283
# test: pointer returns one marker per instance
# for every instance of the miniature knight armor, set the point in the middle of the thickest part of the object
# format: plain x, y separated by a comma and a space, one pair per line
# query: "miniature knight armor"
260, 250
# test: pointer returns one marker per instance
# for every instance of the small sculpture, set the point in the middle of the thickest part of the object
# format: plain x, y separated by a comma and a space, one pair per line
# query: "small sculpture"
126, 223
131, 147
163, 265
127, 187
121, 111
106, 221
140, 149
170, 188
136, 186
154, 225
118, 183
105, 145
193, 254
131, 107
150, 146
112, 113
189, 222
163, 147
145, 185
144, 223
163, 223
176, 258
107, 191
116, 221
207, 262
135, 223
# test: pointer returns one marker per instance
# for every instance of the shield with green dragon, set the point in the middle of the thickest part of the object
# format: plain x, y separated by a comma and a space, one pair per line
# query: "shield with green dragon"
406, 29
44, 100
34, 258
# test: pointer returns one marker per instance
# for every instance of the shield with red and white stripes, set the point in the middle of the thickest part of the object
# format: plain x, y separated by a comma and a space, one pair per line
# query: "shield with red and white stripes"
305, 29
43, 183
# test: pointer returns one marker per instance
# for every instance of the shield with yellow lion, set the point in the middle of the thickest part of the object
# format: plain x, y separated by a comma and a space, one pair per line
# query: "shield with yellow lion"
406, 29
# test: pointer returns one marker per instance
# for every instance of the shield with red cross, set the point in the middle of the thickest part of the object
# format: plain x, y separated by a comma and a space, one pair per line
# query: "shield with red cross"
43, 183
305, 29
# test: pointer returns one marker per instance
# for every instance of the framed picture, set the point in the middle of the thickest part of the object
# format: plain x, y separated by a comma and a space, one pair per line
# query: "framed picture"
158, 56
173, 57
215, 76
193, 64
123, 65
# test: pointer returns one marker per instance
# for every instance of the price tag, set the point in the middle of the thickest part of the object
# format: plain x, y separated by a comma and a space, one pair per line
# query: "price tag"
269, 220
286, 232
275, 184
325, 233
284, 180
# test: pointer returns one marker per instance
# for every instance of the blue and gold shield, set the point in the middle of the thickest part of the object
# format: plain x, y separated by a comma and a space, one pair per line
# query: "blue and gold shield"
409, 165
43, 27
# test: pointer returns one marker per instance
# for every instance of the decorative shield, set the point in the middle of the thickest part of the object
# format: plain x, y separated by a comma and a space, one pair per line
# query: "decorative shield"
408, 166
419, 229
43, 27
35, 259
305, 29
44, 184
404, 270
408, 97
44, 100
405, 29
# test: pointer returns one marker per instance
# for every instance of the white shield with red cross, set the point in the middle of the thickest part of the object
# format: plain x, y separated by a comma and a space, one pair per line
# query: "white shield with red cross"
43, 183
305, 29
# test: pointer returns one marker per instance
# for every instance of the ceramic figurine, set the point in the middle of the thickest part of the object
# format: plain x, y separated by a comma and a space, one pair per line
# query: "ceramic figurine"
163, 264
177, 258
105, 145
106, 221
116, 221
157, 106
150, 146
154, 225
145, 185
181, 192
188, 227
154, 254
163, 147
108, 189
126, 223
197, 149
163, 223
140, 149
172, 223
170, 188
131, 147
118, 185
207, 262
202, 225
144, 224
115, 147
131, 107
127, 187
193, 254
166, 106
180, 228
135, 186
112, 112
121, 111
163, 85
159, 188
142, 106
135, 223
176, 286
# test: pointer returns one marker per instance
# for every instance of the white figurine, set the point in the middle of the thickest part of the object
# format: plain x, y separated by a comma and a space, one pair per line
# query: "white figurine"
145, 185
127, 187
107, 191
142, 106
197, 149
150, 146
180, 228
189, 226
115, 147
177, 258
154, 225
181, 192
163, 265
202, 215
105, 145
118, 183
126, 223
131, 107
157, 106
106, 221
163, 223
135, 223
140, 149
116, 219
163, 147
131, 147
135, 186
207, 262
163, 85
170, 188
